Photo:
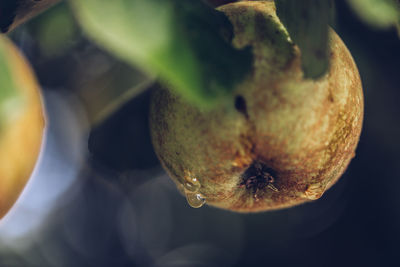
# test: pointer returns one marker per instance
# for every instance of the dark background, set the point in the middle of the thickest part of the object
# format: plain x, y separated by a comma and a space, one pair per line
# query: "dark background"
100, 198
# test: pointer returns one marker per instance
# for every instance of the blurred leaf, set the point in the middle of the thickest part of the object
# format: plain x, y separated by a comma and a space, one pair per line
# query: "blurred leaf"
378, 13
178, 40
9, 96
307, 24
52, 40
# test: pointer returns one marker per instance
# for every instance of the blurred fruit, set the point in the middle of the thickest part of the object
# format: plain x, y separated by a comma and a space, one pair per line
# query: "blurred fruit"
282, 141
22, 126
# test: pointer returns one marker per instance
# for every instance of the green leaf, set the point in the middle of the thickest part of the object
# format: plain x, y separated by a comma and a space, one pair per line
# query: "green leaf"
9, 94
180, 41
307, 24
53, 41
378, 13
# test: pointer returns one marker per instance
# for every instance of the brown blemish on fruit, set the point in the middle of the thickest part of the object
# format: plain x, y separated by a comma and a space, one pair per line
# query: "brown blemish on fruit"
330, 97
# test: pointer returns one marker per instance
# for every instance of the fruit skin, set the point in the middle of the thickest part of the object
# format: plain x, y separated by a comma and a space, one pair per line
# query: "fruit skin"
304, 132
20, 137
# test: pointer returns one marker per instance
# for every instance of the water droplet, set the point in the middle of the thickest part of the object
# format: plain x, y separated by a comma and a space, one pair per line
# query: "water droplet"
195, 200
192, 184
191, 187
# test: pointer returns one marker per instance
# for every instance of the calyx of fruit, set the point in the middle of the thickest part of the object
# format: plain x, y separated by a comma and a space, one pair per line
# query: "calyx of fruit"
21, 131
283, 140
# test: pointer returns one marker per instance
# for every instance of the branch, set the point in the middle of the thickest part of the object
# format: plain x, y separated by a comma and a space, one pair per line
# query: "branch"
16, 12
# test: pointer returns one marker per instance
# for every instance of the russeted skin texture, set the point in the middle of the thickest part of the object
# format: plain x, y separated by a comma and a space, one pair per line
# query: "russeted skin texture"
21, 137
303, 131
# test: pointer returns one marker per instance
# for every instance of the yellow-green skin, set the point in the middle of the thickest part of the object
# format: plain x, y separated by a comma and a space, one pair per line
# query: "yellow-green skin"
306, 131
21, 136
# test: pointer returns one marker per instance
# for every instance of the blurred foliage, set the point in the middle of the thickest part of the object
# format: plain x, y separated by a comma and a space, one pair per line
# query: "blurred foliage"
178, 40
307, 23
186, 43
55, 30
378, 13
9, 96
